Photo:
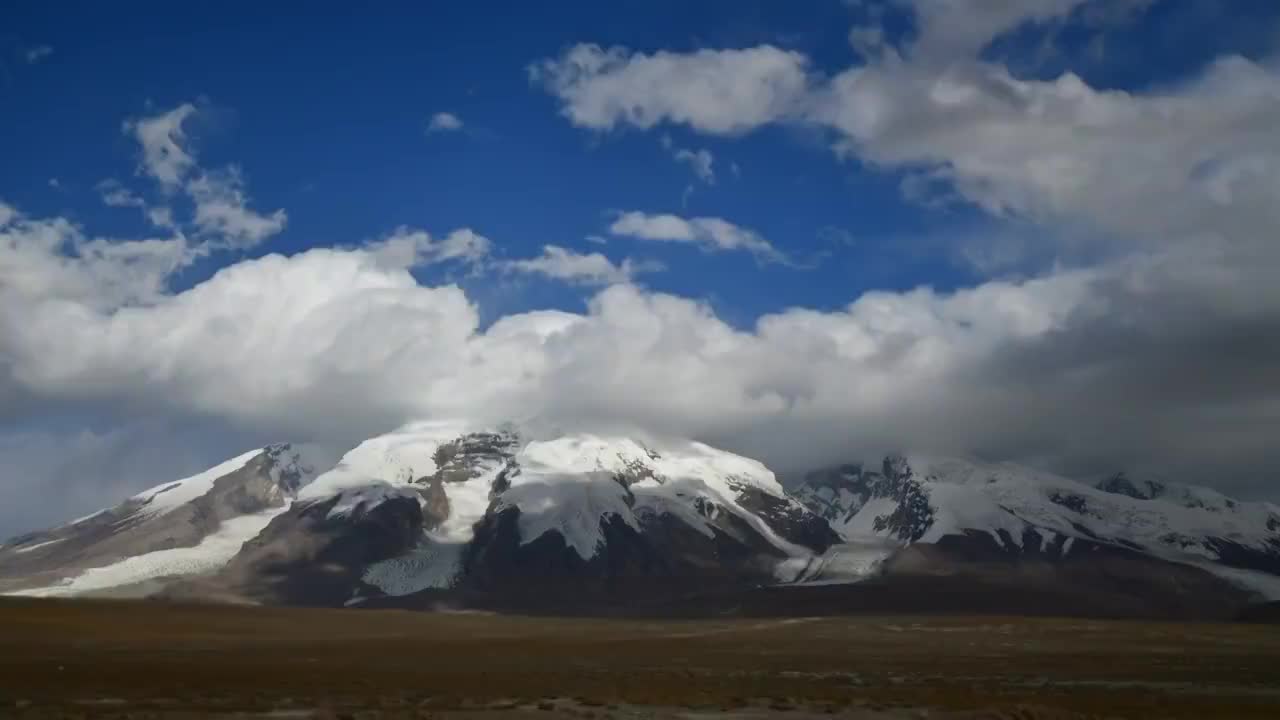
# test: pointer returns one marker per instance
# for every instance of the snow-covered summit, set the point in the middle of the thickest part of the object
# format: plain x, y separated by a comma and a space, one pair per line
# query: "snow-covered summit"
396, 458
924, 500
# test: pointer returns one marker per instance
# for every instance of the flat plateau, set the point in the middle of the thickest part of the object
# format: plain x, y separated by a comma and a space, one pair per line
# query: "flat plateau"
135, 659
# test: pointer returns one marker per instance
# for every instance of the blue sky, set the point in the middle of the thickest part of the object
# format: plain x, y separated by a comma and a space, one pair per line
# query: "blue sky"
326, 112
1054, 195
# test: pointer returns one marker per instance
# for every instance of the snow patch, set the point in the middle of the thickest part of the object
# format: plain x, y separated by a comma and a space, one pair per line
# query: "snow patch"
1265, 585
573, 505
213, 552
840, 565
572, 484
434, 565
1178, 521
468, 503
396, 458
367, 497
37, 546
169, 496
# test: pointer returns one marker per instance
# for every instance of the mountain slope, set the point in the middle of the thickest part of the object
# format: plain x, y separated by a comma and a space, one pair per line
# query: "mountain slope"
438, 506
190, 526
445, 513
985, 511
563, 516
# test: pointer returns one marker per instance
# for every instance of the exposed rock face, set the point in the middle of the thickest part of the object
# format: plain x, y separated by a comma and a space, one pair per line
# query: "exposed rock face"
469, 456
839, 494
790, 519
317, 552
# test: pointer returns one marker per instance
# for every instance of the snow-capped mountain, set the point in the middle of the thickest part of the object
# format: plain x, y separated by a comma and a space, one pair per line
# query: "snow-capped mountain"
509, 518
443, 506
185, 527
1001, 509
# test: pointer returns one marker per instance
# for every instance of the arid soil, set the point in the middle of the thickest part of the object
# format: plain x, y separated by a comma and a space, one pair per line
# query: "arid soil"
116, 659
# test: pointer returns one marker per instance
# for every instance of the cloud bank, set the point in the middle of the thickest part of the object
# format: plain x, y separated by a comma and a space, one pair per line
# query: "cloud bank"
1159, 354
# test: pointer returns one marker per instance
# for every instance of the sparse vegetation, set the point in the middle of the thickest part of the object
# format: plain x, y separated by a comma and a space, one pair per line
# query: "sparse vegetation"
125, 659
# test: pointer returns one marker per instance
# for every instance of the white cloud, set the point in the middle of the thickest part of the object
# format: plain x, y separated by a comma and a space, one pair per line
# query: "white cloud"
164, 153
35, 54
52, 261
585, 269
1071, 368
709, 233
222, 209
700, 162
444, 122
222, 212
1052, 151
722, 92
1161, 357
114, 194
161, 217
409, 248
1060, 151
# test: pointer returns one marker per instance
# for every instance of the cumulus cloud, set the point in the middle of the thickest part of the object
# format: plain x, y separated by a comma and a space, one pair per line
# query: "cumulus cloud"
1051, 151
1162, 358
114, 194
722, 92
222, 211
709, 233
581, 268
165, 156
50, 260
409, 248
1085, 370
444, 122
700, 162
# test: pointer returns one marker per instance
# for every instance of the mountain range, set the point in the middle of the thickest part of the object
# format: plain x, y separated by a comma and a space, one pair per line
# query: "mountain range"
446, 515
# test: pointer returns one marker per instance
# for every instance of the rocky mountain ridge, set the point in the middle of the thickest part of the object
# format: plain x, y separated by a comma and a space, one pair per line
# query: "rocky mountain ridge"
445, 513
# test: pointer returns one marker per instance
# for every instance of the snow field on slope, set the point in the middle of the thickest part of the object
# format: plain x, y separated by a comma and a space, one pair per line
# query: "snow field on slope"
28, 548
433, 565
567, 485
396, 458
967, 495
1265, 585
1027, 493
840, 565
366, 497
212, 553
468, 502
572, 504
168, 496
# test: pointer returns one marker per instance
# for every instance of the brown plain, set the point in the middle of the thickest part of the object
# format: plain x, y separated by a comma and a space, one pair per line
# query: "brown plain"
89, 659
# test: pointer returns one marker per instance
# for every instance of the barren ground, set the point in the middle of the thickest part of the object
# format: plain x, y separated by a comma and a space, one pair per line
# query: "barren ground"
101, 659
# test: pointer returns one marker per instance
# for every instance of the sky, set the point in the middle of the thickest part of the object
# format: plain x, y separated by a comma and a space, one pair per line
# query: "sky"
1040, 231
